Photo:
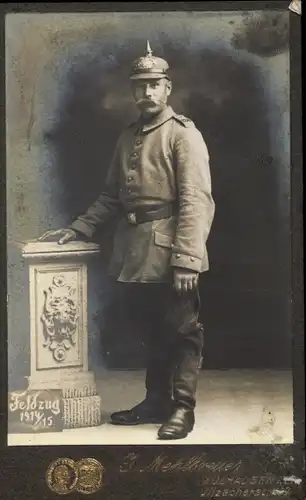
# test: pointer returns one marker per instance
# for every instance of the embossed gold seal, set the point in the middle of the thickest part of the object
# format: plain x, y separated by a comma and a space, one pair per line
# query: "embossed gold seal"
62, 476
90, 476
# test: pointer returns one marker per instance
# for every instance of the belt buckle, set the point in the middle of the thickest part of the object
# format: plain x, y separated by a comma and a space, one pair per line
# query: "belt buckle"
132, 218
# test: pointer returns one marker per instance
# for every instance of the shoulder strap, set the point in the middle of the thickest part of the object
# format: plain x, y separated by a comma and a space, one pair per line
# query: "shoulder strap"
183, 120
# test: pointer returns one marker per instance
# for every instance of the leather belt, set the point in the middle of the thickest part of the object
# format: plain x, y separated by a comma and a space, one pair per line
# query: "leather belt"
150, 213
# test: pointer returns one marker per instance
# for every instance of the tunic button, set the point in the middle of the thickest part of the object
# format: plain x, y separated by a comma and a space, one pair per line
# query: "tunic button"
134, 155
178, 255
192, 259
130, 179
138, 143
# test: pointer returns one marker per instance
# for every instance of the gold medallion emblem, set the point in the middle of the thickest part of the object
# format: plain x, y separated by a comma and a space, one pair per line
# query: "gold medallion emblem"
90, 476
62, 476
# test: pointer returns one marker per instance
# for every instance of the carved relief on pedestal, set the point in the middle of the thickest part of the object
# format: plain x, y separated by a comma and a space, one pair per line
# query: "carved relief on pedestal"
60, 309
59, 317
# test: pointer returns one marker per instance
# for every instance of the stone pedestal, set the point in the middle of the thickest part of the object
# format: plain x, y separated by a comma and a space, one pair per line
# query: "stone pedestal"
59, 336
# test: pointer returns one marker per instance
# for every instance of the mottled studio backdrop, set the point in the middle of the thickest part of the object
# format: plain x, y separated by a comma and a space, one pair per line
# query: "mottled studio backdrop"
68, 98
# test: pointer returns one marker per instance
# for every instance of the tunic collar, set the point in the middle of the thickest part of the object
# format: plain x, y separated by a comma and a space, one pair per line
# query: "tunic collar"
157, 120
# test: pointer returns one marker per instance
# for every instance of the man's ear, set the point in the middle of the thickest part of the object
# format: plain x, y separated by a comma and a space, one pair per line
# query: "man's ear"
169, 87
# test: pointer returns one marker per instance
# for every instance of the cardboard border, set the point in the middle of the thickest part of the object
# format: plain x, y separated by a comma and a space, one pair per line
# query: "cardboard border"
22, 471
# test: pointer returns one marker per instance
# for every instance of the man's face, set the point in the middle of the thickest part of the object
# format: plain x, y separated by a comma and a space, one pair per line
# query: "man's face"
151, 95
61, 474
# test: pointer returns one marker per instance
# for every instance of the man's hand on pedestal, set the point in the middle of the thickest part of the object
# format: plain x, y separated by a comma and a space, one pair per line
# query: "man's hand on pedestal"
62, 236
185, 280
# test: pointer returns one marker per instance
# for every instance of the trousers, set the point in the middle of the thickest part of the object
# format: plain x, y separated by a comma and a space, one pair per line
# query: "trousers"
173, 336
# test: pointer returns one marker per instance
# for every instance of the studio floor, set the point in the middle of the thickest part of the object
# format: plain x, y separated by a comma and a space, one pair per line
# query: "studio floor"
234, 407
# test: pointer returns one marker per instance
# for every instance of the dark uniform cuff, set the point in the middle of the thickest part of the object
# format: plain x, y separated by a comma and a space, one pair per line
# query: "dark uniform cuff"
81, 227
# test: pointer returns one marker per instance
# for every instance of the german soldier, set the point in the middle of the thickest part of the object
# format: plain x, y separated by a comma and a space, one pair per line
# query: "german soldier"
159, 181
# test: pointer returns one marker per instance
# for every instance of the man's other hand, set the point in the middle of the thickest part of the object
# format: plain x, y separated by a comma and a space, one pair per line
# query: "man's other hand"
62, 236
185, 279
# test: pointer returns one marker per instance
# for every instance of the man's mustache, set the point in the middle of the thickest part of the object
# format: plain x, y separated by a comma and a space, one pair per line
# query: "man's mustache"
149, 102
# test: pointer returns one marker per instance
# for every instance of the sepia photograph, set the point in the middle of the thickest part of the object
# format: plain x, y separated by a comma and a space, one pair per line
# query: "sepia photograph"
148, 201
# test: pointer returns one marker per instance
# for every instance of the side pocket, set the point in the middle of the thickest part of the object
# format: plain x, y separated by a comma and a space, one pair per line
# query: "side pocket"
163, 240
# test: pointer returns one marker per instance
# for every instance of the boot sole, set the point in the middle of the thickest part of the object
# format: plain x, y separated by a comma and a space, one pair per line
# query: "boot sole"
169, 436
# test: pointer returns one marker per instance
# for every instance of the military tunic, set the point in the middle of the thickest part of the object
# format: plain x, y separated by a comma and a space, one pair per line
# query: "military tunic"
154, 163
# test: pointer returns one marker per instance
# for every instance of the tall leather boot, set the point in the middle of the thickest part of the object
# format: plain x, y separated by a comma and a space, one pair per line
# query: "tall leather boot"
186, 373
158, 404
160, 368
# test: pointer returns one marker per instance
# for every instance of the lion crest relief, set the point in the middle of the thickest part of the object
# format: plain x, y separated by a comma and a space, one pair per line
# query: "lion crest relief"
59, 318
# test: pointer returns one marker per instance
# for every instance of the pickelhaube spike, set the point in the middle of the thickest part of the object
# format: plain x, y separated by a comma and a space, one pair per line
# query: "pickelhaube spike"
149, 50
149, 66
